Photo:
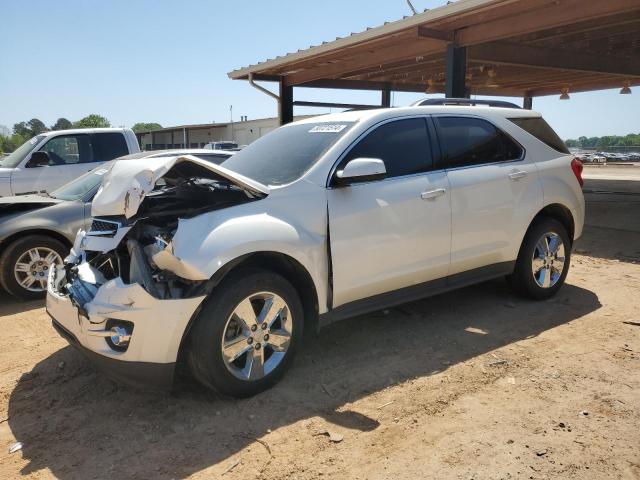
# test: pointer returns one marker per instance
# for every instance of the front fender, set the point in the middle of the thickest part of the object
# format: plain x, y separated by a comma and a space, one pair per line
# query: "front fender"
207, 243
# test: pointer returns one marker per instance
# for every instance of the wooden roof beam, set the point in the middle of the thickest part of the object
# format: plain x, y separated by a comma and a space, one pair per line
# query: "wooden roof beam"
582, 87
436, 34
410, 65
594, 29
564, 12
365, 85
370, 59
558, 59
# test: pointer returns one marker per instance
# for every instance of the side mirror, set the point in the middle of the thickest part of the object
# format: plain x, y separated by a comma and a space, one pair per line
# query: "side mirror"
361, 170
38, 159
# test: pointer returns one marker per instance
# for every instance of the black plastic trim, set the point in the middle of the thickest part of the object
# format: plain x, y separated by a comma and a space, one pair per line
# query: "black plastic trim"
465, 101
416, 292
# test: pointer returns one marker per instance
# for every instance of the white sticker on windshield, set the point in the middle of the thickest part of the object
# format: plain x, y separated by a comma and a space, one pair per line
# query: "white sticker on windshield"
329, 128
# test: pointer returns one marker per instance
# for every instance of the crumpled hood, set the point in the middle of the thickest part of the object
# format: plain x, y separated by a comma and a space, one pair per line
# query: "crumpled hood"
127, 182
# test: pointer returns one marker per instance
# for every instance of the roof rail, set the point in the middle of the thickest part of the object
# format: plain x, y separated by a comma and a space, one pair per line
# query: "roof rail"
464, 101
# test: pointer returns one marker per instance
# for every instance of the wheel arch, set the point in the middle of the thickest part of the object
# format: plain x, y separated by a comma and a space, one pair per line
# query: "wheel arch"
560, 213
277, 262
557, 211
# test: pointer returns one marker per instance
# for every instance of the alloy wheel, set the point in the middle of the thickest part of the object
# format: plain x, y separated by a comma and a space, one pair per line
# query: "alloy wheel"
548, 260
257, 336
32, 268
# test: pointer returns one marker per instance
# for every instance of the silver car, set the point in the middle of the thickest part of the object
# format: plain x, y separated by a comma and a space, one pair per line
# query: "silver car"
37, 231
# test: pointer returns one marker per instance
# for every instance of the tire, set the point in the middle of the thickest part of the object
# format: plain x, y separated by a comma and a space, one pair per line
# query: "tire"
545, 282
17, 252
217, 322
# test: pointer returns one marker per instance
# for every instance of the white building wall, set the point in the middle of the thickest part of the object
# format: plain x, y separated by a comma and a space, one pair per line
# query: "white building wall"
243, 133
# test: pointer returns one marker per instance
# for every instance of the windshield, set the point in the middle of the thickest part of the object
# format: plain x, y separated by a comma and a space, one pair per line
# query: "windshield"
285, 154
81, 186
14, 159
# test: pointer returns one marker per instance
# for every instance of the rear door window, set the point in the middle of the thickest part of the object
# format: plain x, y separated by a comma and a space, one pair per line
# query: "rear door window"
540, 129
109, 145
403, 146
468, 141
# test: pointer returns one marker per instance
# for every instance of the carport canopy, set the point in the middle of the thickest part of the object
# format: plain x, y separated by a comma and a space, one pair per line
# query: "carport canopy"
516, 48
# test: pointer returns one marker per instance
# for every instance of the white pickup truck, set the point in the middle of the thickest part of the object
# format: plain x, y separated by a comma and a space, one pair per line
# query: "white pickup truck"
51, 159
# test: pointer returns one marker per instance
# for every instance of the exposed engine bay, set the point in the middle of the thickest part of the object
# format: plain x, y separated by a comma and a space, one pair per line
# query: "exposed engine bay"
137, 247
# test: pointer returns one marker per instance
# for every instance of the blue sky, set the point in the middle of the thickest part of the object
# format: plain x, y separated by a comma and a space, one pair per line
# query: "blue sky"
167, 61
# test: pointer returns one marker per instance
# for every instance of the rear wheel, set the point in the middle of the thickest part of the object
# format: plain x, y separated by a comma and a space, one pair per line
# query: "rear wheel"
25, 264
543, 261
246, 335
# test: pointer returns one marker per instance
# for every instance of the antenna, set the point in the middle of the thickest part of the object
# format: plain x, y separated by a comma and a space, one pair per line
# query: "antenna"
415, 12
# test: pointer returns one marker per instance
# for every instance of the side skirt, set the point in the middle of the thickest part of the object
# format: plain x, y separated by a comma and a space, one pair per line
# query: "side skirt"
416, 292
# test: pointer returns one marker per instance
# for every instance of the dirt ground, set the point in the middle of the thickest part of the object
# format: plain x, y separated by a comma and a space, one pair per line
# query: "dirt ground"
474, 384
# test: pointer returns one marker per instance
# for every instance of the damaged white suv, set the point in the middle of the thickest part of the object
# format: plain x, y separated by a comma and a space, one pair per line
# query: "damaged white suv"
220, 268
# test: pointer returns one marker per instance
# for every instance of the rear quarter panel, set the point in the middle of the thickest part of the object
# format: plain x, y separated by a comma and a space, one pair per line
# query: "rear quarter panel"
558, 182
560, 185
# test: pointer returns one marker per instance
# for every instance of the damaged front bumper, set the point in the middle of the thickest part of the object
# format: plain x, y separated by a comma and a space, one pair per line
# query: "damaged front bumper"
154, 327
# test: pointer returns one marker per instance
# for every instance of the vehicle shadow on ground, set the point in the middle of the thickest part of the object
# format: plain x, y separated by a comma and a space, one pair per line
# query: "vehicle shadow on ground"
10, 306
102, 429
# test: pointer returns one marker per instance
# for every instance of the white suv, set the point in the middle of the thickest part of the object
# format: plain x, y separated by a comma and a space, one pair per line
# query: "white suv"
222, 267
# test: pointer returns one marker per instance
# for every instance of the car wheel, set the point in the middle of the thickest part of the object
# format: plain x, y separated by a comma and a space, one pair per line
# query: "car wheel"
25, 264
246, 334
543, 261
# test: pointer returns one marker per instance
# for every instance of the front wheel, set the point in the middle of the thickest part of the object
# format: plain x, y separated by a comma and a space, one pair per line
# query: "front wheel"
543, 261
246, 335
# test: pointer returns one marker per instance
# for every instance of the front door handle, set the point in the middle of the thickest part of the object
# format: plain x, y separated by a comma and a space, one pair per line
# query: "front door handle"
431, 194
517, 175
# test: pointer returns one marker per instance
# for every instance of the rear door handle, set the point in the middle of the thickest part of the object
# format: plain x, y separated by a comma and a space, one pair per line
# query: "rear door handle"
431, 194
517, 175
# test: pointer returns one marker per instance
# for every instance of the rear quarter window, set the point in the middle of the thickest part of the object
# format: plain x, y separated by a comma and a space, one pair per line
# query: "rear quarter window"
540, 129
468, 141
109, 145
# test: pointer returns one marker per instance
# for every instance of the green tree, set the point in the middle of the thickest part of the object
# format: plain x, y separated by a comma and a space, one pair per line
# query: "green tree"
36, 126
29, 129
22, 129
92, 121
62, 124
604, 142
144, 127
630, 140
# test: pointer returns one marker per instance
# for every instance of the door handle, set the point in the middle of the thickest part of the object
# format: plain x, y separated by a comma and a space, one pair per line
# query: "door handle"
517, 175
431, 194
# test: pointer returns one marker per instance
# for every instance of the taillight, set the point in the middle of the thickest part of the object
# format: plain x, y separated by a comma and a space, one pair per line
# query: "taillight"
577, 167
